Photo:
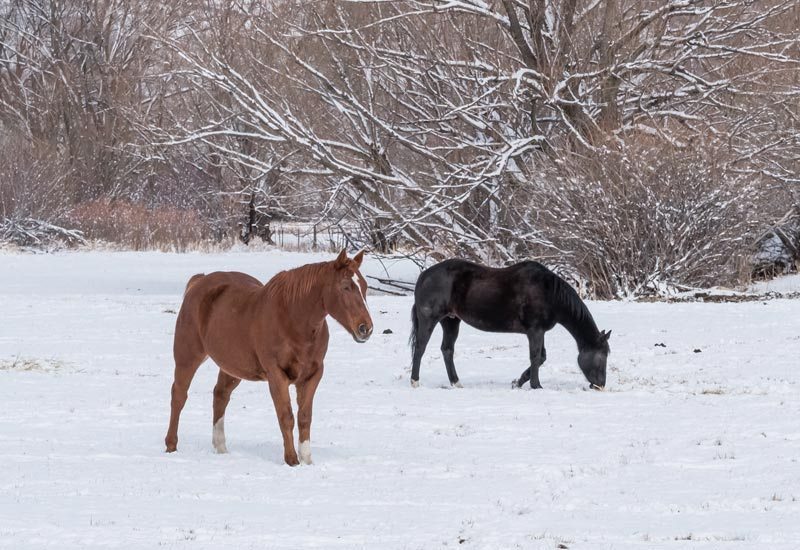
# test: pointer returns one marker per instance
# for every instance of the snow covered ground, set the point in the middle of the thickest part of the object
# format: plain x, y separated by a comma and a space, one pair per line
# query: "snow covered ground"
695, 445
780, 285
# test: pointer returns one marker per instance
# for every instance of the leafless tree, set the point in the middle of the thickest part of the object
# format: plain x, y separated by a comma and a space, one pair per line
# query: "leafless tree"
570, 130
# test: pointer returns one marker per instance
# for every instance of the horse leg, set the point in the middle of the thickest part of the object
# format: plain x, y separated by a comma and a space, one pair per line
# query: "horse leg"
222, 395
450, 334
186, 364
524, 377
422, 335
279, 389
536, 345
526, 374
305, 401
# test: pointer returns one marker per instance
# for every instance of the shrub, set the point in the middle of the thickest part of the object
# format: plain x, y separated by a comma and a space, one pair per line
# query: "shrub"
138, 227
632, 222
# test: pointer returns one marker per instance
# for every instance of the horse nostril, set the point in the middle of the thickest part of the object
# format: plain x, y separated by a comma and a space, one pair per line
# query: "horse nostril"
362, 329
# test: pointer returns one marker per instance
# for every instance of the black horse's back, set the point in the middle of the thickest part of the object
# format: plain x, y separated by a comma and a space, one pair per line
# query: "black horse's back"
525, 298
508, 299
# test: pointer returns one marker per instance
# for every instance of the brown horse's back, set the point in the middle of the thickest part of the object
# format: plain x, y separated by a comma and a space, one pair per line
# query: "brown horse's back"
193, 279
204, 326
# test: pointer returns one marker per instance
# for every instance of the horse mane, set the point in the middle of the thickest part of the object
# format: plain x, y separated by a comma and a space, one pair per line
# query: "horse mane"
294, 284
574, 309
566, 297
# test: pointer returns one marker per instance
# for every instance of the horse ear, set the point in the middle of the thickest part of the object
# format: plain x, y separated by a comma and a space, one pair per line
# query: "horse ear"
341, 260
358, 258
604, 336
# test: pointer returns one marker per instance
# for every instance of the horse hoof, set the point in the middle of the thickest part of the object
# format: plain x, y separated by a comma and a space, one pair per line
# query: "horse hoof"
515, 385
414, 383
291, 460
458, 385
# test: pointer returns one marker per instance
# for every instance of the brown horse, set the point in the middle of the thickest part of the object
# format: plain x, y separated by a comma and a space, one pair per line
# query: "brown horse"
275, 332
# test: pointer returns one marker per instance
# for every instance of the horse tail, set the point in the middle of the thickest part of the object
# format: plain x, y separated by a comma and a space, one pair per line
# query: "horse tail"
192, 281
412, 338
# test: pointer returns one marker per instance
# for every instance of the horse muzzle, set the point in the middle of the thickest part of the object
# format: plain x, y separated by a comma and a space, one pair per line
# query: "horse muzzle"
362, 333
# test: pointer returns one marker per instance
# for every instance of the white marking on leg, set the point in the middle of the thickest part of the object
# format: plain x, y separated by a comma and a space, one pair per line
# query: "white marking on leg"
458, 385
218, 436
305, 452
414, 383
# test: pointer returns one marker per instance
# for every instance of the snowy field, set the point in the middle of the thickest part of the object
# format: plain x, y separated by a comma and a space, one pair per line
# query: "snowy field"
695, 445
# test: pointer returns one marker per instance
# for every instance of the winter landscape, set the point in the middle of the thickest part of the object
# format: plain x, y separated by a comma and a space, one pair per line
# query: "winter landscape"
645, 151
695, 443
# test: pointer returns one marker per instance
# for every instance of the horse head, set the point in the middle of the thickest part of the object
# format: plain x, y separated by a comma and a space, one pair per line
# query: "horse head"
345, 296
592, 360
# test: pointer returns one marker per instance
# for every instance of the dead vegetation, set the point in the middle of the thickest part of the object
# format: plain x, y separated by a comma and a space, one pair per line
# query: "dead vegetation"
634, 145
31, 364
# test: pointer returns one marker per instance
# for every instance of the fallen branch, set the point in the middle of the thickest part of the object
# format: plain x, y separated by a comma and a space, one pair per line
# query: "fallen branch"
402, 285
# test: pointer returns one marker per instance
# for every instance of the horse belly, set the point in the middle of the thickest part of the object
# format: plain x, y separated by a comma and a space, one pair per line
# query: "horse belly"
238, 365
490, 318
482, 324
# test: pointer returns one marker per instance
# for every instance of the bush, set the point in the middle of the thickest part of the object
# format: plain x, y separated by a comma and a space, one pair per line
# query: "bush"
636, 221
139, 227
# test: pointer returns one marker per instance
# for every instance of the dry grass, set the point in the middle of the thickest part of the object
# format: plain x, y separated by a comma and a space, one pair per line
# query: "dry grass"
31, 364
138, 227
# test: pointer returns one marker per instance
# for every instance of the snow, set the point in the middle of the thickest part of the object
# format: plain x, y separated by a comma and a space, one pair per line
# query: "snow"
780, 285
685, 450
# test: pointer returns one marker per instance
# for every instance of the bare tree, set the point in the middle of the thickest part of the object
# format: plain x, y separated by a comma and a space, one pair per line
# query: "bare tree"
71, 75
557, 129
438, 117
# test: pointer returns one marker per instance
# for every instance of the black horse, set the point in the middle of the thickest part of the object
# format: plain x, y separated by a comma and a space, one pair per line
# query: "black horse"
523, 298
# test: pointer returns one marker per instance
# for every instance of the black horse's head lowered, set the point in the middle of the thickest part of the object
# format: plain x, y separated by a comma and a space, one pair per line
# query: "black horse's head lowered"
524, 298
592, 361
